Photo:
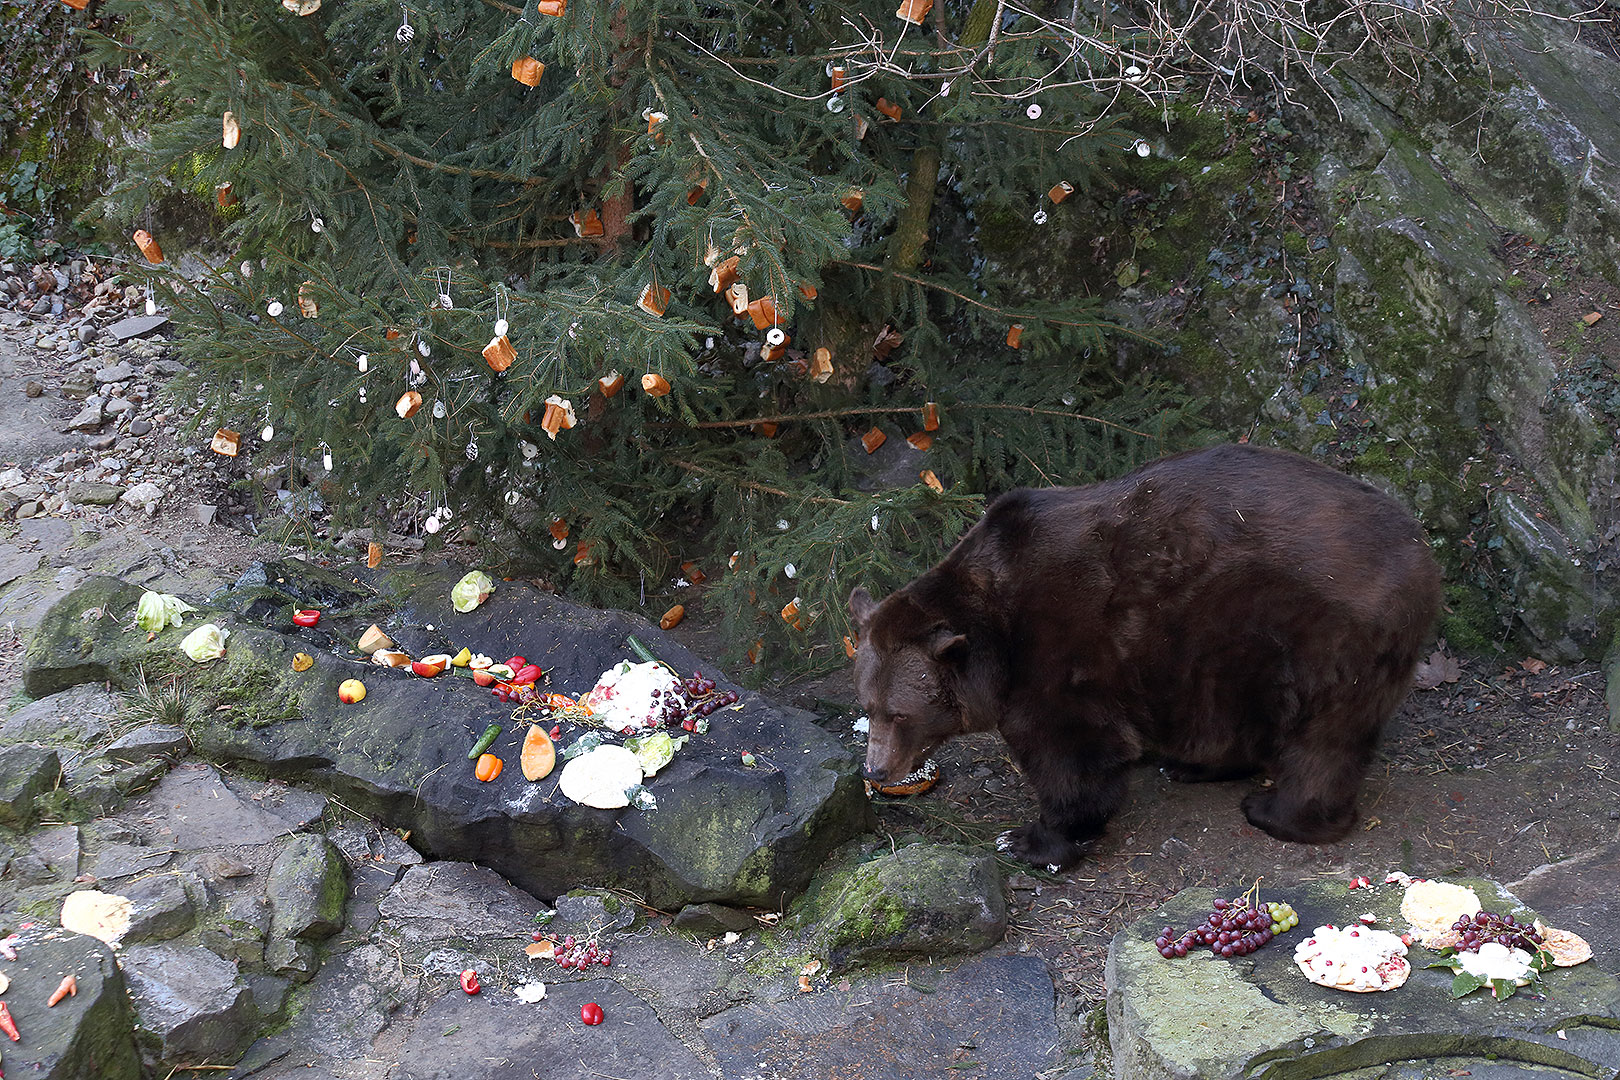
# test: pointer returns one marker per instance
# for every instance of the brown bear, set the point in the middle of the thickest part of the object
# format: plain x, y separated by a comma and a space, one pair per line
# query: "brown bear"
1228, 610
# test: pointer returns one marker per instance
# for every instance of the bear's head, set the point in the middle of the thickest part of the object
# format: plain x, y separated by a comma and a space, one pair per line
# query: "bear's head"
907, 675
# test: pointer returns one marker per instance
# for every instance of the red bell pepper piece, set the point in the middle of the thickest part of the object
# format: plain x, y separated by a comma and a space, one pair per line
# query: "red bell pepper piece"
306, 617
517, 663
469, 981
526, 675
7, 1024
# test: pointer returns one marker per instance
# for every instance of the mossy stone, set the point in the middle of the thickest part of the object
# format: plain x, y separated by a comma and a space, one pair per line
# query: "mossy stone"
921, 899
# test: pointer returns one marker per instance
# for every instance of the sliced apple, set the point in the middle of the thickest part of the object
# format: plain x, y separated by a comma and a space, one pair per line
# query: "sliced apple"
482, 677
431, 666
480, 662
501, 672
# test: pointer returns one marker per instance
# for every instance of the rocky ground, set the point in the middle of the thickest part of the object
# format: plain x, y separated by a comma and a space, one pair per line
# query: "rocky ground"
1502, 769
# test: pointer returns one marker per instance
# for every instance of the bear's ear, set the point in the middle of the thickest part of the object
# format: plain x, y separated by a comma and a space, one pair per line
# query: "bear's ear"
861, 607
948, 647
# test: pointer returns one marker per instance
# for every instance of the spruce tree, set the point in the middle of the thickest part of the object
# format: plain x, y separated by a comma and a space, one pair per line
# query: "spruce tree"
647, 280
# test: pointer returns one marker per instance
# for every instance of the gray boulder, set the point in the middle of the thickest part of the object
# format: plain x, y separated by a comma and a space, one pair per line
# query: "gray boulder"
26, 772
78, 714
94, 492
149, 741
192, 1002
307, 888
163, 907
456, 901
922, 899
88, 1036
722, 830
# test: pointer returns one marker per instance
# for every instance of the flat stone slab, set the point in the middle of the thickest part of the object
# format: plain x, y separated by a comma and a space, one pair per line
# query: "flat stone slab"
201, 811
114, 861
135, 326
494, 1036
57, 847
1205, 1017
990, 1016
1580, 891
149, 741
442, 900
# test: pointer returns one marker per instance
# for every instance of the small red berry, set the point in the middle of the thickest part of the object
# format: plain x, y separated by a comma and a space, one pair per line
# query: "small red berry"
590, 1013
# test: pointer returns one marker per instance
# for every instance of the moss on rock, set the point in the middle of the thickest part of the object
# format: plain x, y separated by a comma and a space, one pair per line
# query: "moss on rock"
923, 898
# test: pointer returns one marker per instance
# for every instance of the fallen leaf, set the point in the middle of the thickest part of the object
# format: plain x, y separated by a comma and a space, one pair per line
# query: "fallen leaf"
1533, 666
1591, 317
1438, 668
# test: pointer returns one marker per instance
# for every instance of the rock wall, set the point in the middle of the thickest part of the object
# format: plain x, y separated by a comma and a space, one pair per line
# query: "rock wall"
1417, 283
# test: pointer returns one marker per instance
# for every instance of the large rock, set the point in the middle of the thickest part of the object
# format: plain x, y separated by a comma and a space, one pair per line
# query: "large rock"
308, 884
78, 714
193, 1002
163, 907
722, 830
923, 899
1208, 1018
88, 1036
26, 773
149, 741
82, 639
455, 900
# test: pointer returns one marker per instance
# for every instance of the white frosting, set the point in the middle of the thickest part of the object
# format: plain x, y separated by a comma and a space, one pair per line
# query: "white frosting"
1353, 958
1496, 961
623, 696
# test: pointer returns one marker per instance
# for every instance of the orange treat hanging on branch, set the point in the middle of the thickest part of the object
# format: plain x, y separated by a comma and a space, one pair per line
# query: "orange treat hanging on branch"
914, 11
148, 246
499, 353
654, 300
527, 70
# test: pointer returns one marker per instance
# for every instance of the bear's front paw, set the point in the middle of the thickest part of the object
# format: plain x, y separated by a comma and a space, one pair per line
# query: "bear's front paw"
1040, 846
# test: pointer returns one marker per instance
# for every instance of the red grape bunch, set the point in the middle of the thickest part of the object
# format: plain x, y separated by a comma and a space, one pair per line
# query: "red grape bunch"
1484, 926
703, 700
1232, 928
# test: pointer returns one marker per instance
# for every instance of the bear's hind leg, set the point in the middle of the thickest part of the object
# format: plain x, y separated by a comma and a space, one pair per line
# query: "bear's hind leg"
1318, 780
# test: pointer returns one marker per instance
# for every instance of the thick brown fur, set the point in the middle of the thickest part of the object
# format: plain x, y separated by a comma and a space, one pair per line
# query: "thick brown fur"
1229, 610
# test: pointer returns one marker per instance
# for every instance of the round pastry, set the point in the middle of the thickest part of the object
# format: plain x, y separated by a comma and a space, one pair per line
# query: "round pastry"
915, 782
1356, 959
1432, 907
1565, 948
